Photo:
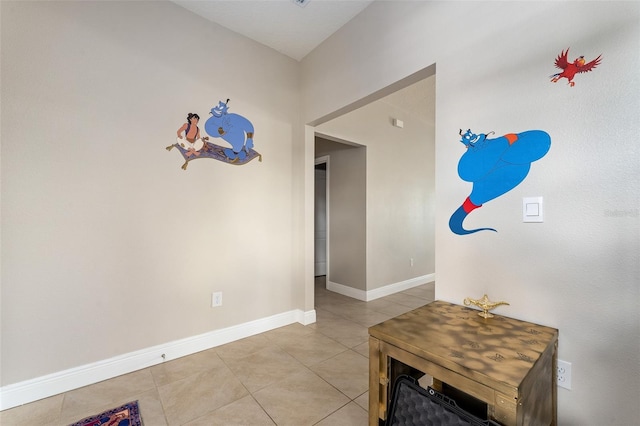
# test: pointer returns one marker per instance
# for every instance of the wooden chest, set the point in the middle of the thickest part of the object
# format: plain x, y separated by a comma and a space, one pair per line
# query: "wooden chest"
508, 364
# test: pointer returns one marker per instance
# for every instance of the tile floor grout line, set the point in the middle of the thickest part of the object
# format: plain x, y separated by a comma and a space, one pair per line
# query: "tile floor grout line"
263, 409
332, 413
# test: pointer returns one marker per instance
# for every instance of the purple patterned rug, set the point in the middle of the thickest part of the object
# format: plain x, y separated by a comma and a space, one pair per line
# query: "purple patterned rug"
127, 415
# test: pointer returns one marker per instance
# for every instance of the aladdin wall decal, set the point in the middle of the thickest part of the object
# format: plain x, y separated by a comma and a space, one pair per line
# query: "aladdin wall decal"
495, 167
570, 69
233, 128
191, 141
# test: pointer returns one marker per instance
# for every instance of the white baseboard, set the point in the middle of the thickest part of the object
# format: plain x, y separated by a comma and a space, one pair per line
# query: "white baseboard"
347, 291
52, 384
306, 318
377, 293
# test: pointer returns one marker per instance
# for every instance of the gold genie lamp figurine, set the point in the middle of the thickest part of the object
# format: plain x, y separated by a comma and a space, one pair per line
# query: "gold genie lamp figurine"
485, 304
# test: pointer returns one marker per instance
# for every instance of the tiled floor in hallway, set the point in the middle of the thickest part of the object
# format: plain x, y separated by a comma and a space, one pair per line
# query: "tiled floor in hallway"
295, 375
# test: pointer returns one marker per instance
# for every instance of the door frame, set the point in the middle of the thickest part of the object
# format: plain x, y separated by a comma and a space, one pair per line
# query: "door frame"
326, 160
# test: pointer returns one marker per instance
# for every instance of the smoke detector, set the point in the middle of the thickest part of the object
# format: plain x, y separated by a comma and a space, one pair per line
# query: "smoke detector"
301, 3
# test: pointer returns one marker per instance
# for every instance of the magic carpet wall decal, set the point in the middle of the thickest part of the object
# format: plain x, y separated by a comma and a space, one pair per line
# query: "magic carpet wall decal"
234, 129
126, 415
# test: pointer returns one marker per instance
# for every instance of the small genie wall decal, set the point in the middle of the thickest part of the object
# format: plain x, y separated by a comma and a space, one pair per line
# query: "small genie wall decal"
570, 69
232, 128
495, 167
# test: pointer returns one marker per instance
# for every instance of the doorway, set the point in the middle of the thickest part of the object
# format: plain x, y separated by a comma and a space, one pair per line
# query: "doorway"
390, 245
345, 207
321, 216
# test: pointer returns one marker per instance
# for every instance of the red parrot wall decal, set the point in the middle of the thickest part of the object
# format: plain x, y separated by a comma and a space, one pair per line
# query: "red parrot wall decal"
570, 69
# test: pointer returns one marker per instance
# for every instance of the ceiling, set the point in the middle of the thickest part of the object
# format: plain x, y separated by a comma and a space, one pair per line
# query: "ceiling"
295, 31
282, 25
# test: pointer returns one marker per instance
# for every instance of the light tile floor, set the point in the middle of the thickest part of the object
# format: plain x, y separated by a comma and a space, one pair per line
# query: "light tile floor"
295, 375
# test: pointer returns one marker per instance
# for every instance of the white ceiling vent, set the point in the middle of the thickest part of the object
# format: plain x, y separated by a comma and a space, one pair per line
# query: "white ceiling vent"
301, 3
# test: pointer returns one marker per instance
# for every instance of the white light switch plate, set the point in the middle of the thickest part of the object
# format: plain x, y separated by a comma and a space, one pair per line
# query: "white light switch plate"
532, 209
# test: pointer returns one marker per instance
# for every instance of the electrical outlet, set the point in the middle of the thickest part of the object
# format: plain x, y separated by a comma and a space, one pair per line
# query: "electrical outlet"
564, 374
411, 261
216, 299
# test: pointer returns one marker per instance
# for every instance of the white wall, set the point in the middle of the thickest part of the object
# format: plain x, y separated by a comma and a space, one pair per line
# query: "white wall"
108, 247
579, 270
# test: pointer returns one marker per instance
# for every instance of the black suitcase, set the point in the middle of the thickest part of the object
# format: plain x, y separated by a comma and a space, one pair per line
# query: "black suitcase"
412, 405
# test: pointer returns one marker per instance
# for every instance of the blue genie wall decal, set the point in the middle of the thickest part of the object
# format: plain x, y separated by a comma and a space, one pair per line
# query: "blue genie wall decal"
233, 128
495, 167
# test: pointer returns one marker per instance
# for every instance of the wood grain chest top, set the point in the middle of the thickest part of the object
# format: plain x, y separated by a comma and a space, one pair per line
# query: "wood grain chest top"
498, 351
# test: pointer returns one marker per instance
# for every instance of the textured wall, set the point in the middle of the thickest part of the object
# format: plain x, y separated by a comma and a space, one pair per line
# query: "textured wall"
107, 245
579, 270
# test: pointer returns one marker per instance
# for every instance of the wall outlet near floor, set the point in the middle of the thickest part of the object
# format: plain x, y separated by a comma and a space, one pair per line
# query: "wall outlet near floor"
216, 299
411, 261
564, 374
